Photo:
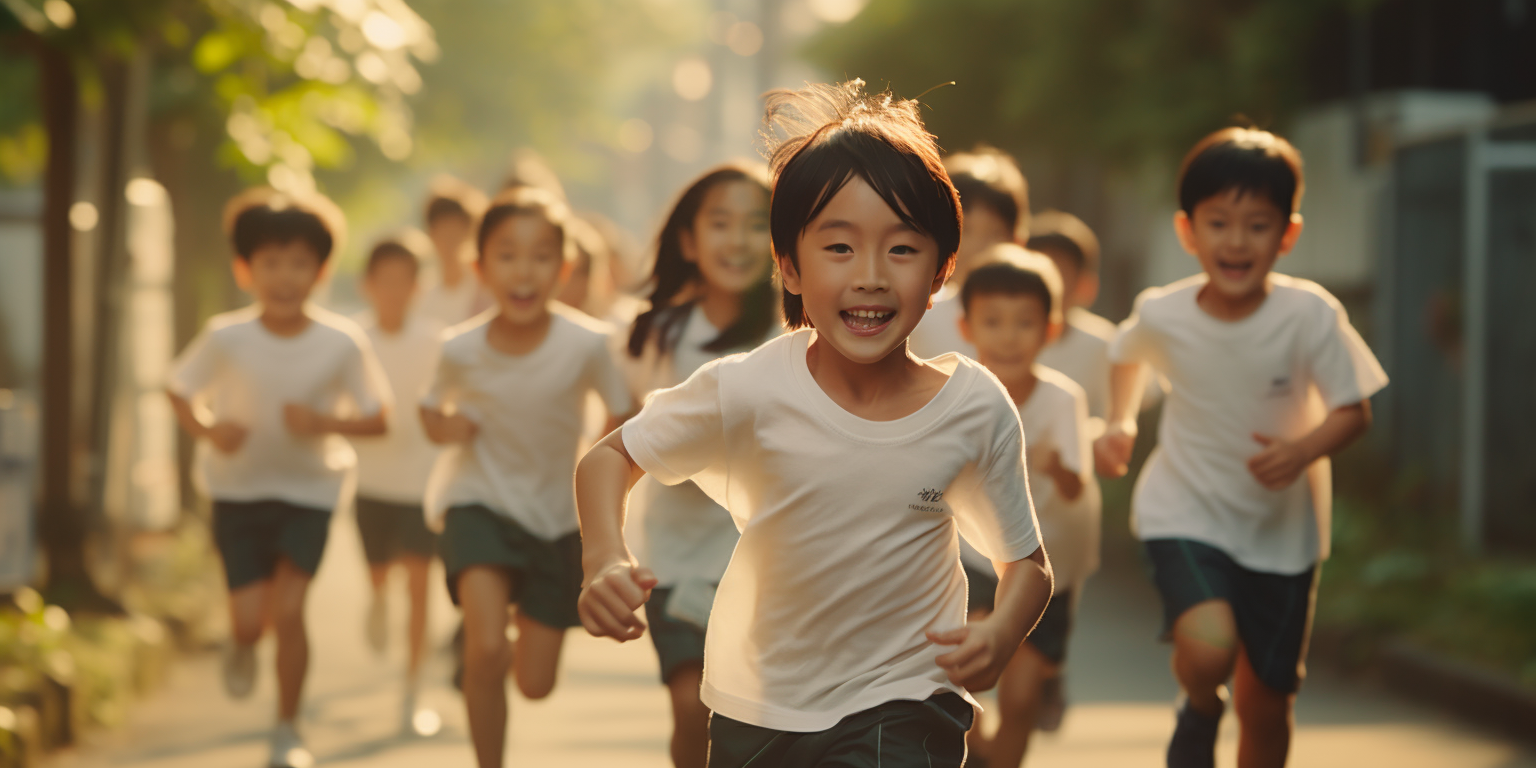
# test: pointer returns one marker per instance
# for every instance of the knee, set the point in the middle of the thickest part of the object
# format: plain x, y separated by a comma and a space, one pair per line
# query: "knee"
536, 686
486, 645
246, 631
288, 615
1204, 664
1261, 707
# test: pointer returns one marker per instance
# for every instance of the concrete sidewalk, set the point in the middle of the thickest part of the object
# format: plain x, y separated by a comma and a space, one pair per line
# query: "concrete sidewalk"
609, 710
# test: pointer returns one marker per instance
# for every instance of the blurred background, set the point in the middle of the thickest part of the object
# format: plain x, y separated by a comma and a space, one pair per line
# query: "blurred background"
126, 124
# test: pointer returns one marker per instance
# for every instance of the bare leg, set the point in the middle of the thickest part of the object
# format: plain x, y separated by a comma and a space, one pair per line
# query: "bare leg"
1205, 649
416, 569
483, 594
289, 589
538, 656
248, 612
690, 718
378, 575
1266, 719
1018, 705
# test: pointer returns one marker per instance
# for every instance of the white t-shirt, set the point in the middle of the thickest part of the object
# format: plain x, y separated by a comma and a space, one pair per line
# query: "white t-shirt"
449, 306
849, 547
1055, 420
245, 374
529, 412
938, 333
1276, 372
394, 467
677, 530
1082, 353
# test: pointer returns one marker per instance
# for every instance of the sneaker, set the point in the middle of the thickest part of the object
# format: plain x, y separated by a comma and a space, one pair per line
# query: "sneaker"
239, 670
288, 749
378, 623
1194, 739
1053, 705
418, 722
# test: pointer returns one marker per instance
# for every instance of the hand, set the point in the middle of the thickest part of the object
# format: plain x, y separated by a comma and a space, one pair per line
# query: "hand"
226, 436
979, 661
457, 428
302, 420
1112, 452
1279, 464
607, 605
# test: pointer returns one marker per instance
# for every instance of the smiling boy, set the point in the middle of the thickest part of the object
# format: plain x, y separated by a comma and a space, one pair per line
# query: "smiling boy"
838, 633
1268, 379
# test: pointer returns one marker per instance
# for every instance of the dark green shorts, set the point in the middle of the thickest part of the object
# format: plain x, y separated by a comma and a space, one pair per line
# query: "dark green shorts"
252, 535
896, 734
390, 530
1049, 637
677, 642
546, 575
1273, 610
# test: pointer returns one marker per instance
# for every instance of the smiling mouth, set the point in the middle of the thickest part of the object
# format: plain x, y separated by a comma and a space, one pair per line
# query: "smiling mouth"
1234, 270
867, 322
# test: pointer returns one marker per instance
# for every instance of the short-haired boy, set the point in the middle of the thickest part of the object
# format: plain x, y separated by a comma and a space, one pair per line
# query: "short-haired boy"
1013, 311
995, 198
392, 470
452, 210
1267, 380
262, 389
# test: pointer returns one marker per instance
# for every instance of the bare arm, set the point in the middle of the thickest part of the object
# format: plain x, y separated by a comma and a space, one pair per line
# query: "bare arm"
614, 586
225, 436
1068, 483
1112, 452
305, 421
1281, 462
1023, 590
445, 428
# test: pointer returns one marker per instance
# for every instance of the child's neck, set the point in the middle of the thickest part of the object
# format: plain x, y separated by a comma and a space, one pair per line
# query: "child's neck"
891, 388
452, 269
721, 308
511, 337
1022, 386
285, 325
391, 322
1232, 308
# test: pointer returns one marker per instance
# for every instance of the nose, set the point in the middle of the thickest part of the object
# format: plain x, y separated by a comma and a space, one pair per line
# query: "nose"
869, 273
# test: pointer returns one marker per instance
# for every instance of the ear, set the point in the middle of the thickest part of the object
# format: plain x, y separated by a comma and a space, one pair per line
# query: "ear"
242, 270
1053, 331
965, 330
567, 267
940, 279
1185, 229
1087, 289
689, 245
1292, 232
788, 274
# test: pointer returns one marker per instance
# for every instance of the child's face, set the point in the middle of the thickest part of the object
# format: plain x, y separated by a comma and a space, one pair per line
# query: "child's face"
982, 229
729, 240
1077, 288
1237, 237
390, 286
864, 275
448, 233
280, 276
522, 266
1008, 331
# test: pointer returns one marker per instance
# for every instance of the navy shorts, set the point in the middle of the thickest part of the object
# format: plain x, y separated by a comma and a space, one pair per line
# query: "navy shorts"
546, 575
897, 734
390, 530
1273, 610
252, 535
677, 642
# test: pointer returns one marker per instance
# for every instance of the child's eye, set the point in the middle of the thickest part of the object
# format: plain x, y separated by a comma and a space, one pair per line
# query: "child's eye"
840, 248
902, 250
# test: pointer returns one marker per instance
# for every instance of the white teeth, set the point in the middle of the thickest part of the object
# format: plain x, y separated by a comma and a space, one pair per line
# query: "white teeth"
867, 313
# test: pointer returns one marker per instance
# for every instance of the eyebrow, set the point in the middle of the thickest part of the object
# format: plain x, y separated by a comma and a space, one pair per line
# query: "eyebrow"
900, 226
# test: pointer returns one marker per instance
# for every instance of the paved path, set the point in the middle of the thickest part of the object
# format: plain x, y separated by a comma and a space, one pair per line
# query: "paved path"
609, 710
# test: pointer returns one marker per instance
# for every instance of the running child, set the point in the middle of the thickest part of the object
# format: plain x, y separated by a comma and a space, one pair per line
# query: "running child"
838, 633
996, 201
509, 395
1013, 311
1268, 379
262, 390
712, 295
393, 469
452, 209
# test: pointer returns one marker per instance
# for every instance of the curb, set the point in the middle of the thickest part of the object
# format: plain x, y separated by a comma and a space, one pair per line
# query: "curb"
1472, 693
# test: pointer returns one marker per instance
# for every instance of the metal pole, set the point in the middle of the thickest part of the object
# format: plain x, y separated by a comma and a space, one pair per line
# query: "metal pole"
1474, 339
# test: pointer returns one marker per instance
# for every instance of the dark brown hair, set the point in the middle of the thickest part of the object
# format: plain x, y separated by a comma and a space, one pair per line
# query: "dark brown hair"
526, 201
989, 177
1247, 160
448, 196
821, 136
673, 275
1058, 232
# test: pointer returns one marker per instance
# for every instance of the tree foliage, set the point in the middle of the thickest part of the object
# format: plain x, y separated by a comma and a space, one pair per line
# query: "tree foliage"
1123, 81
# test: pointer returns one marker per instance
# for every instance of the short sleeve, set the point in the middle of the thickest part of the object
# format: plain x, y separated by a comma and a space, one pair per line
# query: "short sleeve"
1070, 426
681, 431
194, 369
363, 379
1343, 367
1134, 342
607, 379
996, 514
